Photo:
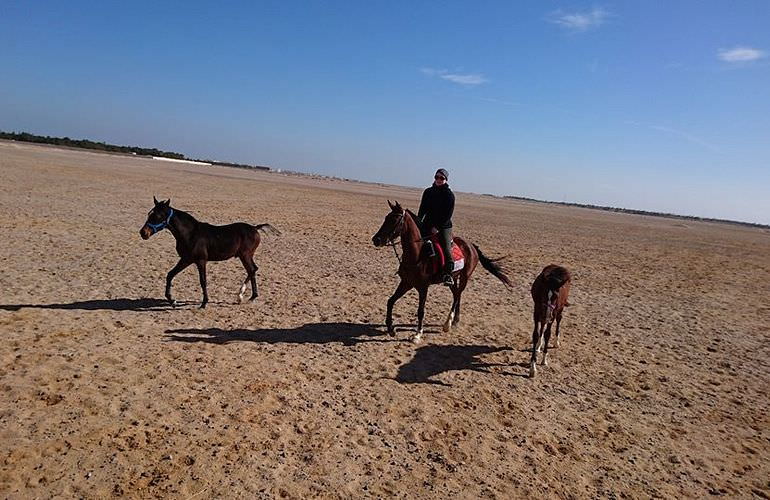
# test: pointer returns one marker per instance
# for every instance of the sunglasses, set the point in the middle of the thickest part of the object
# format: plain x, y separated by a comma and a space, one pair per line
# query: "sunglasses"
440, 177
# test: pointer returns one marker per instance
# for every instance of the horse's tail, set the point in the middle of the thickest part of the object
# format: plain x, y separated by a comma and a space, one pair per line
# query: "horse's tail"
267, 229
493, 267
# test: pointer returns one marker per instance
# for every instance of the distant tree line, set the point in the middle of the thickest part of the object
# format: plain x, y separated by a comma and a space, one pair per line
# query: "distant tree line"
637, 212
86, 144
234, 165
103, 146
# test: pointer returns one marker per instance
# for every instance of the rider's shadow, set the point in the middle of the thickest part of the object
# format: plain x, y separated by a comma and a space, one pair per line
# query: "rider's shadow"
311, 333
432, 360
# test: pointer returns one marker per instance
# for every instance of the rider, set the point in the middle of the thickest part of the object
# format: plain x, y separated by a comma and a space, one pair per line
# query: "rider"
436, 208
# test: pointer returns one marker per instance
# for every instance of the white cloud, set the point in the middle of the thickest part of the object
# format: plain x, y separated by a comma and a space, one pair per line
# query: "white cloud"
432, 71
580, 21
458, 78
740, 54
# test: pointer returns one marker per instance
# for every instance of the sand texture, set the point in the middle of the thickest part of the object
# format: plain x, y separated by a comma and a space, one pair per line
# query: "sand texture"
660, 388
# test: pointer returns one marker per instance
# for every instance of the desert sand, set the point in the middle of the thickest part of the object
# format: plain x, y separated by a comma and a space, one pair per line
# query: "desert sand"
660, 387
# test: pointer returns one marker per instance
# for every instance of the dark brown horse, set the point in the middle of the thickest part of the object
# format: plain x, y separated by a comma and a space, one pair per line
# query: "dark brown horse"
199, 242
418, 271
550, 292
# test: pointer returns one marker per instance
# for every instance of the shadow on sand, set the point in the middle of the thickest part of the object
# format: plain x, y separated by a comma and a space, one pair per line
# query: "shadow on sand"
311, 333
432, 360
106, 304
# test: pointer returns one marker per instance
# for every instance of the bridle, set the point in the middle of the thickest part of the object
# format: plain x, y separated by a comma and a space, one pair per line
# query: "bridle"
161, 225
397, 228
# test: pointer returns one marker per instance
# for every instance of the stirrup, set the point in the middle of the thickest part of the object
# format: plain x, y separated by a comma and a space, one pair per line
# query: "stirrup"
431, 250
447, 280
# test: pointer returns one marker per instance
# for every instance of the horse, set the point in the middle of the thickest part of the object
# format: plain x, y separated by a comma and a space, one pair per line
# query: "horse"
417, 270
198, 242
550, 292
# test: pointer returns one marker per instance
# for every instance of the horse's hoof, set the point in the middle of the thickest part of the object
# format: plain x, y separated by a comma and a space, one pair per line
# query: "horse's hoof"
252, 299
532, 371
447, 327
417, 338
203, 306
173, 303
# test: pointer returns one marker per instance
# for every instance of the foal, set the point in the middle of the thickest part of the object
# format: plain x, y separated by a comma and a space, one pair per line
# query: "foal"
198, 242
549, 292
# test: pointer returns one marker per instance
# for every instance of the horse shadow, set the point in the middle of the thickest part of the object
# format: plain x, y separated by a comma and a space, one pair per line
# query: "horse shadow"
432, 360
122, 304
347, 334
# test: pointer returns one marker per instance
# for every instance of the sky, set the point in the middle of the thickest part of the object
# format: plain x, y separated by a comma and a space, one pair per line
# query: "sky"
661, 106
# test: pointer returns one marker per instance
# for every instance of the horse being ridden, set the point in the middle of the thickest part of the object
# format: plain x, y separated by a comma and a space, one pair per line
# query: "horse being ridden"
199, 242
417, 270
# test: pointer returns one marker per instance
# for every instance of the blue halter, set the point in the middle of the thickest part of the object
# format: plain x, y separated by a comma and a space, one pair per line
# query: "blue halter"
161, 225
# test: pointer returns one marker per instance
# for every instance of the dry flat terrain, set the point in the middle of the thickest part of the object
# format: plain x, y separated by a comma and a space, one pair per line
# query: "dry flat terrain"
660, 388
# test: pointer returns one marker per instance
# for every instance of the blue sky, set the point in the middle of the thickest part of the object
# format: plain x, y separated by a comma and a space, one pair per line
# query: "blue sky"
659, 106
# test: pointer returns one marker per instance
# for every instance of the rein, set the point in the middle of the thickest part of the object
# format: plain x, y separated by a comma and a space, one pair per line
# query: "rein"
161, 225
399, 227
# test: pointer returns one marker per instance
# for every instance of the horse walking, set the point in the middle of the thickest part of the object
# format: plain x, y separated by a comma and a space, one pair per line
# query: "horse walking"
199, 242
550, 292
418, 270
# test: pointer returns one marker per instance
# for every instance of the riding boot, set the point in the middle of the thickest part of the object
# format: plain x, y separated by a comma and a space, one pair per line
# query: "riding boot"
445, 237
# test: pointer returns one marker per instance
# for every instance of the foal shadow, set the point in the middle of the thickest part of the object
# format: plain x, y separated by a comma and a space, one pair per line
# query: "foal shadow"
347, 334
98, 305
432, 360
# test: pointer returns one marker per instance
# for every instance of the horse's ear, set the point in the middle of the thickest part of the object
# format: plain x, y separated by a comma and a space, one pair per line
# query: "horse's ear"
168, 202
390, 205
398, 206
155, 200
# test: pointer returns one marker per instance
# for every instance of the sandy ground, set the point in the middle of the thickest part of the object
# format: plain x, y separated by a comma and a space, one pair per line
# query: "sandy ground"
660, 388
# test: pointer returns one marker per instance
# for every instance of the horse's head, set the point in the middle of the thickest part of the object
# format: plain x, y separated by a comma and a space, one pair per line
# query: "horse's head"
158, 218
391, 226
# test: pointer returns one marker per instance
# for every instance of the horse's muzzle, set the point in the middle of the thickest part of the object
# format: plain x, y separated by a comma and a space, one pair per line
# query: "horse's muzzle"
145, 233
378, 242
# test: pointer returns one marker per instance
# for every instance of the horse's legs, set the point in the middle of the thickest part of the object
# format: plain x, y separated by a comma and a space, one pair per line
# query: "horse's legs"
463, 282
400, 291
251, 271
546, 340
542, 327
452, 310
178, 268
423, 291
535, 342
202, 275
558, 323
254, 289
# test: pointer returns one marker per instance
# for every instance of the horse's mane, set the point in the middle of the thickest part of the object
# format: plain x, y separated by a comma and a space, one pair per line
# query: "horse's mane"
185, 215
415, 218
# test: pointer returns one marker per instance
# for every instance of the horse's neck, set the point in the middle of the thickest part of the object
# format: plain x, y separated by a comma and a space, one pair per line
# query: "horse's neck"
182, 225
411, 240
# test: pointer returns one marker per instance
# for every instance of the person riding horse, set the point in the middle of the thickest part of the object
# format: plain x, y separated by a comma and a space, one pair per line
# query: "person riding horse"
436, 209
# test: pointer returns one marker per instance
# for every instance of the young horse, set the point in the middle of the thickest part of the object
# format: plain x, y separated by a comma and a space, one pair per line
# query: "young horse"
550, 291
198, 242
418, 271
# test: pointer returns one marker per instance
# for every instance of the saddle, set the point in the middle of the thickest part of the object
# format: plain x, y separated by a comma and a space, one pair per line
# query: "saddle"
439, 259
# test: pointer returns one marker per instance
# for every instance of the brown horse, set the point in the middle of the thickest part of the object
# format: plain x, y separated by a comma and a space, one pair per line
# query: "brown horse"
418, 271
550, 292
199, 242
